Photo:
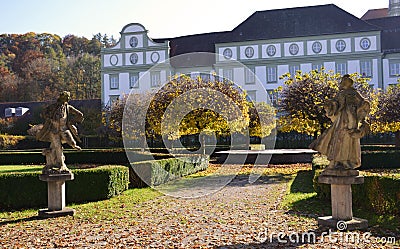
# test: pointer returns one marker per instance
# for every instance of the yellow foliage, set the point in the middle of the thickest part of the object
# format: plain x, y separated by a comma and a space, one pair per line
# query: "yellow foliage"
304, 95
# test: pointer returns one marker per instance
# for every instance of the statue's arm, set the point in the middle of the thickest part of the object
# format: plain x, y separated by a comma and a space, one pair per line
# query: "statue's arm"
78, 114
331, 108
45, 114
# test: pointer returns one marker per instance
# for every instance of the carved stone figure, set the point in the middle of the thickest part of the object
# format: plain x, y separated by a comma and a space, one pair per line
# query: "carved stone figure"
59, 128
341, 142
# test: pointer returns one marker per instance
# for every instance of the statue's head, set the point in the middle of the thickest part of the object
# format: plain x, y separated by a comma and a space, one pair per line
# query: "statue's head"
346, 82
64, 97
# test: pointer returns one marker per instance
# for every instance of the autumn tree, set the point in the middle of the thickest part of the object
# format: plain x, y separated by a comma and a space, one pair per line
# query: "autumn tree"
9, 84
387, 115
262, 119
187, 106
37, 66
303, 97
135, 111
82, 76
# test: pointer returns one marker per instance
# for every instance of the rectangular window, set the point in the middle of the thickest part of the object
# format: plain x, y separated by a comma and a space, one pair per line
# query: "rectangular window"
155, 79
113, 99
271, 75
228, 74
341, 68
114, 81
317, 67
366, 68
273, 96
293, 70
8, 112
394, 69
134, 80
249, 75
205, 77
252, 95
194, 75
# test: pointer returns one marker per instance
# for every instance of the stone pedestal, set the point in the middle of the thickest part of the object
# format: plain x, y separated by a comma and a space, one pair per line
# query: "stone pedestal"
341, 199
56, 195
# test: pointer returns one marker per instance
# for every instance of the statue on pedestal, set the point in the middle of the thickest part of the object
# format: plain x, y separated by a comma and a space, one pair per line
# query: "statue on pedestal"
341, 142
59, 128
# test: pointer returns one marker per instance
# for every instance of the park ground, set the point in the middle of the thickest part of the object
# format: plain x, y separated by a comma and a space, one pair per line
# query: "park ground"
241, 215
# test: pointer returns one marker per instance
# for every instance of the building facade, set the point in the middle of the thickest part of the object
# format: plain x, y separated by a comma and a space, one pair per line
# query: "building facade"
268, 44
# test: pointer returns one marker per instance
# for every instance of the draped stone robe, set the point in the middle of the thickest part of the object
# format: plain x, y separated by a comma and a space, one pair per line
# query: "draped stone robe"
341, 142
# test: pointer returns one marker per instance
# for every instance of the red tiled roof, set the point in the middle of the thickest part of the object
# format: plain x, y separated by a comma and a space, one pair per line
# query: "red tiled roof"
376, 13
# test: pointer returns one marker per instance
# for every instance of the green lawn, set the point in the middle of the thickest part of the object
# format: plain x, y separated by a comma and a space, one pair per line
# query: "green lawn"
302, 199
114, 208
20, 168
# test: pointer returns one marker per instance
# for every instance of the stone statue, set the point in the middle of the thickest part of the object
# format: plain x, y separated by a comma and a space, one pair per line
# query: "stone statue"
59, 129
341, 142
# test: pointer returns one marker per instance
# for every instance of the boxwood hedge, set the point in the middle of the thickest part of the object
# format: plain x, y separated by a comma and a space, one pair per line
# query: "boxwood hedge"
379, 193
156, 172
99, 156
25, 190
386, 159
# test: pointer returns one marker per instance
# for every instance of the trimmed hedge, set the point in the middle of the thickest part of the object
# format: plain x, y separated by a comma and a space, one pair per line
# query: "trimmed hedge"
378, 194
378, 147
157, 172
387, 159
101, 156
25, 190
97, 183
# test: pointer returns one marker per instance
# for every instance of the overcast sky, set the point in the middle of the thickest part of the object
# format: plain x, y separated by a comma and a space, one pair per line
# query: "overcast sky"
163, 18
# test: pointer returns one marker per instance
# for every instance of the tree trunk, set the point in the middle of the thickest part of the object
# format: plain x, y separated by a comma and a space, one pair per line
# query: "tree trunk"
143, 144
315, 135
203, 143
247, 143
397, 139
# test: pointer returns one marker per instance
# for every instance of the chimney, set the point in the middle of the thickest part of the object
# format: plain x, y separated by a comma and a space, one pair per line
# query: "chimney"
394, 7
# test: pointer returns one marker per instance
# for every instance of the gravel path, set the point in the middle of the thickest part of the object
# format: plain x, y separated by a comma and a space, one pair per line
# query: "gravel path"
238, 216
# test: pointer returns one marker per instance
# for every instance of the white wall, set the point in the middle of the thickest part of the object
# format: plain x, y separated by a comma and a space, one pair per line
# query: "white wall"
375, 74
134, 28
124, 88
238, 76
261, 74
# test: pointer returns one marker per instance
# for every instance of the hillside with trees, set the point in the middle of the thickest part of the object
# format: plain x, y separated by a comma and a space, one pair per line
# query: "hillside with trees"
36, 67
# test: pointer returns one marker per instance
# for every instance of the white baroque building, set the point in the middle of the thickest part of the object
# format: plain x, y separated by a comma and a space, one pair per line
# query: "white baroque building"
269, 43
